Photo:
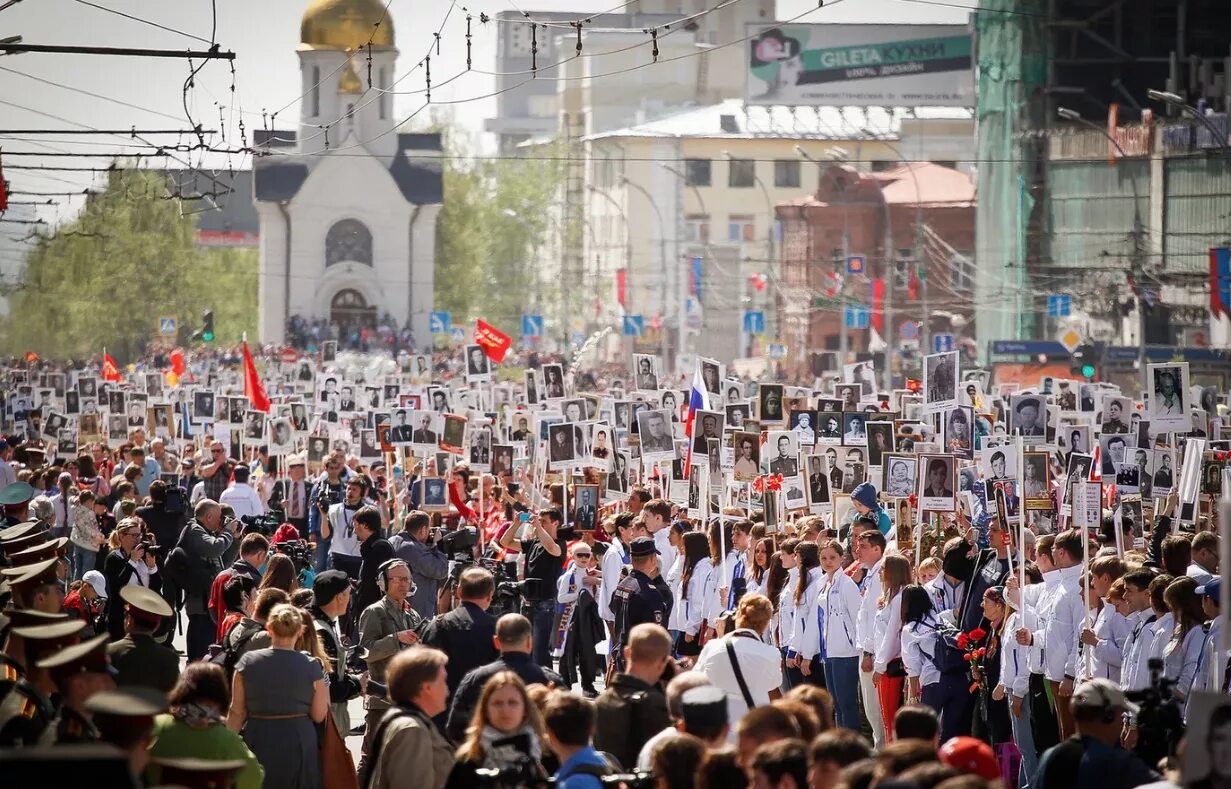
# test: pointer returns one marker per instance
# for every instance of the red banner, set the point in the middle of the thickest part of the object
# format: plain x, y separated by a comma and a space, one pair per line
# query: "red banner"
252, 383
494, 342
111, 370
622, 286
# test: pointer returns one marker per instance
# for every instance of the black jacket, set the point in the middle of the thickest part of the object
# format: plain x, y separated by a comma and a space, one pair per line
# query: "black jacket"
343, 685
467, 696
118, 571
464, 634
373, 552
630, 712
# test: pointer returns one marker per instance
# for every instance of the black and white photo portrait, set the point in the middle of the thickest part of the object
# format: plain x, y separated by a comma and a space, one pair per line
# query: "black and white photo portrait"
453, 434
829, 427
1112, 449
425, 430
1167, 407
747, 456
706, 426
645, 372
898, 475
818, 481
254, 426
1116, 415
854, 430
783, 453
849, 394
202, 406
281, 439
937, 483
736, 413
585, 510
940, 382
769, 398
435, 496
561, 446
1028, 416
502, 459
480, 457
654, 427
617, 478
803, 424
711, 376
880, 441
553, 381
532, 387
478, 366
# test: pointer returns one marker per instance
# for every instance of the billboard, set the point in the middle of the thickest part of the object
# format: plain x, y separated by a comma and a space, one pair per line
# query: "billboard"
862, 65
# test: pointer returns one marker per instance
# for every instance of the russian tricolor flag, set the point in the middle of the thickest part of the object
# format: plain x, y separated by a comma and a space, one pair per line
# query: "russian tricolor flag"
698, 400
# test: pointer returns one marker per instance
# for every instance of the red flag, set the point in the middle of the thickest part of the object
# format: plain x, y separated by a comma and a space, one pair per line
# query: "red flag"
111, 370
494, 342
252, 383
177, 361
4, 191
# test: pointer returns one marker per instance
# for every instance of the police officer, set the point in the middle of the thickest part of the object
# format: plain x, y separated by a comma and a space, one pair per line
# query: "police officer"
139, 659
79, 671
641, 597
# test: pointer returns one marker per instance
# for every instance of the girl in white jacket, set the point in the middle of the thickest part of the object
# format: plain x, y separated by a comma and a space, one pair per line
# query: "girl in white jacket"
786, 612
805, 636
838, 609
696, 591
888, 673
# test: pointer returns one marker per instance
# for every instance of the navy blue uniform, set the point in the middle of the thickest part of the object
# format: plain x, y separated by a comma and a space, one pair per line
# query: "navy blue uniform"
637, 600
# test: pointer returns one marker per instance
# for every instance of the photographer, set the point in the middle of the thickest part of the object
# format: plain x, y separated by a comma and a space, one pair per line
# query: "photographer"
210, 544
164, 521
326, 493
428, 566
544, 552
339, 528
1093, 757
128, 563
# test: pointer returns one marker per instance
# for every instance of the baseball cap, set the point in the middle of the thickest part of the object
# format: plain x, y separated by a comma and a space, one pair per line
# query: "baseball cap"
1211, 588
1101, 694
970, 755
97, 580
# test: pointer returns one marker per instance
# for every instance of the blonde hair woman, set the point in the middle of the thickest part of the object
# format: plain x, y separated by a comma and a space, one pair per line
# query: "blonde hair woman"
127, 564
278, 697
760, 663
506, 732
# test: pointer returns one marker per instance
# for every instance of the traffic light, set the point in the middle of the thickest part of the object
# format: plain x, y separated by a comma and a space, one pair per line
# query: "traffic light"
1083, 361
207, 326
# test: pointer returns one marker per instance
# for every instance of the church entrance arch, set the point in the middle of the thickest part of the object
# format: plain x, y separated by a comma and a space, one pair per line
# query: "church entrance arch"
349, 310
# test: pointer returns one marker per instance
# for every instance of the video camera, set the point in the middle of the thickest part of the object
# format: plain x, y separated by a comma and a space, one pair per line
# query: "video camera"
459, 543
298, 551
265, 524
1159, 721
152, 548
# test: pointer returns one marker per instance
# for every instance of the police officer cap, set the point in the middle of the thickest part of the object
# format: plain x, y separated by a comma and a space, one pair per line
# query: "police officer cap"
27, 579
130, 702
20, 530
27, 540
44, 640
200, 773
643, 546
329, 585
145, 601
39, 553
704, 707
28, 617
16, 493
88, 657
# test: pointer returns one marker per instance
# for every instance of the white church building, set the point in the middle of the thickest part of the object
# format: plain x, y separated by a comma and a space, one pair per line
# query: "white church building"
347, 214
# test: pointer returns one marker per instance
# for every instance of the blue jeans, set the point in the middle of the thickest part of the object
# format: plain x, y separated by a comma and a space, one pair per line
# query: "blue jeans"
83, 561
1023, 735
842, 681
543, 620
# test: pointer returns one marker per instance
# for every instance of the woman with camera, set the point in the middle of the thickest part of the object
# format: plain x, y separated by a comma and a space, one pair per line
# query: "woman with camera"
505, 735
128, 563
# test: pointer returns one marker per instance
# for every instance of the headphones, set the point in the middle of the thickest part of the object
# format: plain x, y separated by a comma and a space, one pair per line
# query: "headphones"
382, 574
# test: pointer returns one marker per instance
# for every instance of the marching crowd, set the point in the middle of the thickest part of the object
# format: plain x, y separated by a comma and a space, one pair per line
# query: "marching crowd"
215, 617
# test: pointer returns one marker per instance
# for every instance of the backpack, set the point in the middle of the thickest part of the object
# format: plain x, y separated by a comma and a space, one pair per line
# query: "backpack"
621, 727
227, 655
176, 501
184, 574
946, 655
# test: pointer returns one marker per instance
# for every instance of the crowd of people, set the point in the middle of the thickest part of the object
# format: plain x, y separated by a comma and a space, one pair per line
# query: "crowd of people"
215, 610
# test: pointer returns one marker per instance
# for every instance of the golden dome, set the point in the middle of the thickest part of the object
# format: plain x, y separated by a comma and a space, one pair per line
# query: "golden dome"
346, 24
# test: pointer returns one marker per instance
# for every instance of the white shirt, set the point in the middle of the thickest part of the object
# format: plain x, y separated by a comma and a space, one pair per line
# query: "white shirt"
786, 607
1199, 574
1203, 678
918, 642
666, 551
945, 596
198, 493
864, 634
1014, 659
840, 602
613, 570
645, 759
888, 633
1039, 599
243, 499
1106, 657
695, 608
760, 663
805, 637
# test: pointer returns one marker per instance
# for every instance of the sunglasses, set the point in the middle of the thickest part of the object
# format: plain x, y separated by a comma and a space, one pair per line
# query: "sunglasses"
584, 555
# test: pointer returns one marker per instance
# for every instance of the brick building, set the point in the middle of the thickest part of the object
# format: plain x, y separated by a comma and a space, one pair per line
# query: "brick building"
917, 221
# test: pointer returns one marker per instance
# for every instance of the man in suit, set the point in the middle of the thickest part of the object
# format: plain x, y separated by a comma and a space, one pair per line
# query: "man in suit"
1026, 418
423, 434
400, 433
655, 437
290, 494
784, 464
465, 633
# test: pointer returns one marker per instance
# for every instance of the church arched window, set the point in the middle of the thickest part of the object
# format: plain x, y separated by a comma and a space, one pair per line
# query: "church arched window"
348, 240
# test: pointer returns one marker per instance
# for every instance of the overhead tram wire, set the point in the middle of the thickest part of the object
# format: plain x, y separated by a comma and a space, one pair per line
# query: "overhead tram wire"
143, 21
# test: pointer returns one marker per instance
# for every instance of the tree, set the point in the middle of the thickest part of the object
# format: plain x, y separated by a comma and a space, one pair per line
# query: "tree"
128, 258
497, 214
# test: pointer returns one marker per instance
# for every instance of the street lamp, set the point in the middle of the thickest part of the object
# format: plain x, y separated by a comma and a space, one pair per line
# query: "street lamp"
1175, 100
1138, 267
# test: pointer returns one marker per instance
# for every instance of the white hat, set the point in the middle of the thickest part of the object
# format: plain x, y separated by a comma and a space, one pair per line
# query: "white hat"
295, 460
95, 579
1102, 694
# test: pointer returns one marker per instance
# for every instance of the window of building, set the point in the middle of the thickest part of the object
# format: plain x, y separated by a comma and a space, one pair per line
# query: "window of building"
384, 97
542, 106
741, 227
743, 173
315, 91
697, 172
697, 228
348, 241
786, 173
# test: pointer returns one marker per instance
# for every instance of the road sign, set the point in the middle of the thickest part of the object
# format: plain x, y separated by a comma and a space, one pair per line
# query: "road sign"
776, 350
855, 264
1059, 305
857, 317
532, 325
634, 325
1070, 339
458, 334
168, 327
439, 323
289, 355
909, 330
942, 343
754, 322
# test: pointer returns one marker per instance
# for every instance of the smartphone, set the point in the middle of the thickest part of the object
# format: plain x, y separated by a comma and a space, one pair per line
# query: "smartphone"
523, 517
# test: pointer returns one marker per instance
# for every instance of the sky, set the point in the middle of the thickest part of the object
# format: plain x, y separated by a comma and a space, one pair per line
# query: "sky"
149, 93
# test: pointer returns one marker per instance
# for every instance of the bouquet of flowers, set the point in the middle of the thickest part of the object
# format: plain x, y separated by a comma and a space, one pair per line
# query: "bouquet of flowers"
975, 654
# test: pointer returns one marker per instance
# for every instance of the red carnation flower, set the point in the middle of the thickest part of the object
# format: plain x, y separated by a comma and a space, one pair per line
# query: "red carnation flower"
968, 657
963, 641
978, 634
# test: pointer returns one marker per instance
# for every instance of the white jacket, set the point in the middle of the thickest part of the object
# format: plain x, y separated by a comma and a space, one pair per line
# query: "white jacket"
888, 634
1134, 674
1038, 600
840, 602
695, 608
1203, 678
1063, 627
805, 638
1107, 656
865, 633
786, 608
1014, 659
918, 642
1180, 659
613, 572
